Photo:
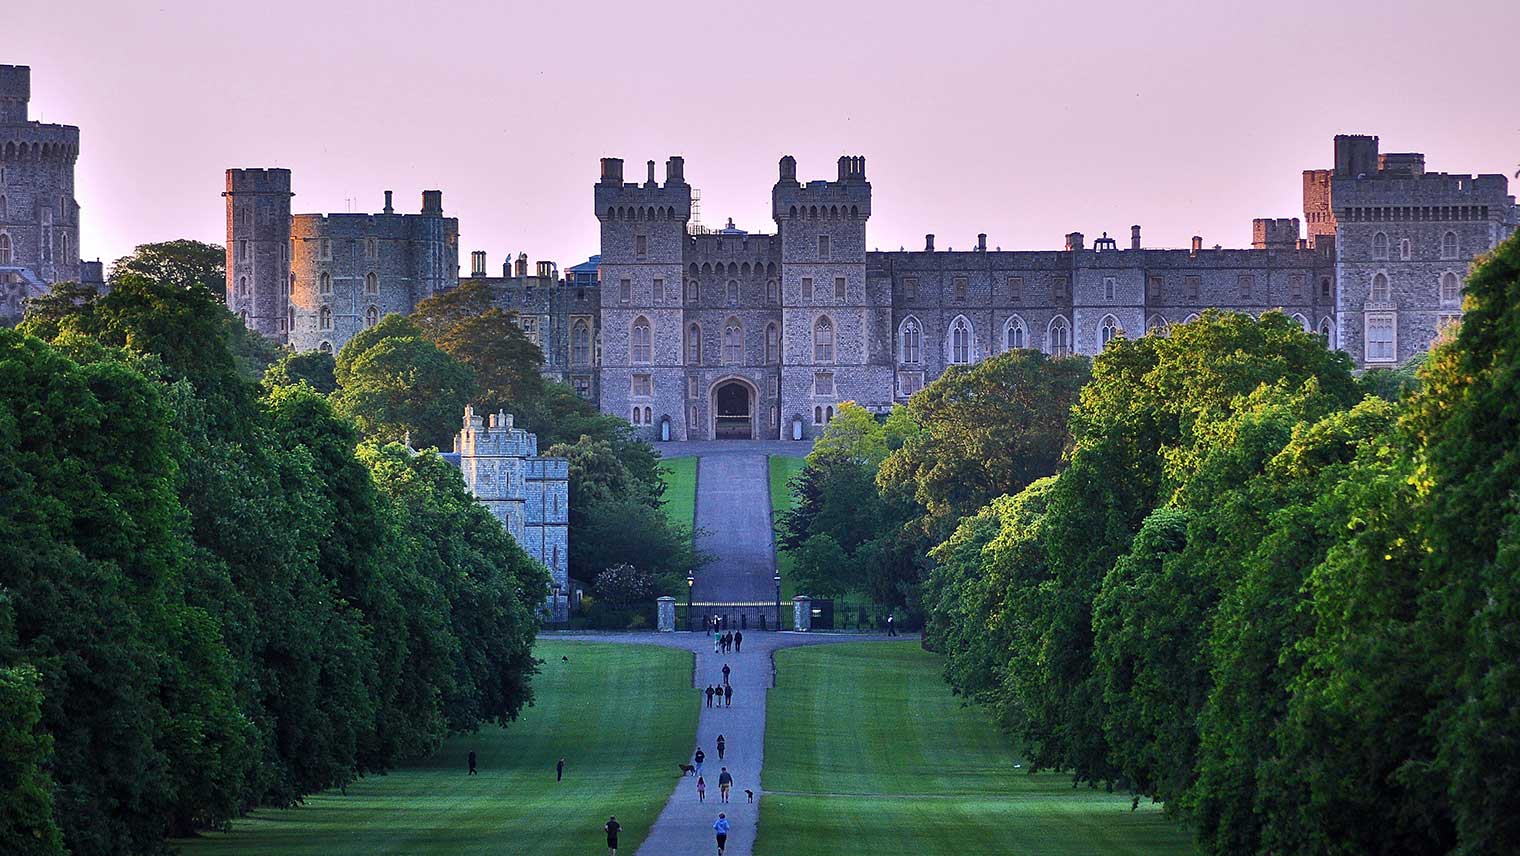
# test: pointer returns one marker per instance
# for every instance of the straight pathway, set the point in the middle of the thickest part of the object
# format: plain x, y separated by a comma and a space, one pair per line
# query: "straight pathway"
734, 528
685, 826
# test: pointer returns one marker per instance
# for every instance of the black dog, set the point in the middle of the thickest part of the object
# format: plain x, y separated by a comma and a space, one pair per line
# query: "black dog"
688, 770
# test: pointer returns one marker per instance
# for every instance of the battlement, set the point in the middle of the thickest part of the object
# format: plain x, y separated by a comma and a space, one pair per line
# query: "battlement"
1425, 189
258, 181
848, 198
1274, 234
15, 93
617, 200
493, 437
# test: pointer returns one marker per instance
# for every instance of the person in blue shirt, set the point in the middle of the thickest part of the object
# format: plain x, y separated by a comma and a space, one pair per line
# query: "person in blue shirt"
720, 826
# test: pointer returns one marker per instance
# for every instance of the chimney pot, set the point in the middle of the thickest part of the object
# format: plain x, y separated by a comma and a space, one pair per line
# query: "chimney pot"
1134, 237
1197, 244
929, 243
650, 179
981, 242
388, 208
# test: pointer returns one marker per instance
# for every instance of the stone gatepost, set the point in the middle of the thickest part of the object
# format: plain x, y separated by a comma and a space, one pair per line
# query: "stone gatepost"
667, 614
802, 613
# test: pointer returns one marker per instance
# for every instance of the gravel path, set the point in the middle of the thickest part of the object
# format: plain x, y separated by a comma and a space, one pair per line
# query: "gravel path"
734, 522
684, 827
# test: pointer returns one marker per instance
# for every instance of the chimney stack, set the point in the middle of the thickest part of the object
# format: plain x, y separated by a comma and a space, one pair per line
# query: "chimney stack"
388, 208
928, 243
1074, 242
432, 202
1197, 244
650, 180
612, 171
522, 264
789, 168
981, 242
1134, 237
675, 170
478, 263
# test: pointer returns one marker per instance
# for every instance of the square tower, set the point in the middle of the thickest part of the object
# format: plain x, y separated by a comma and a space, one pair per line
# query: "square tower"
258, 249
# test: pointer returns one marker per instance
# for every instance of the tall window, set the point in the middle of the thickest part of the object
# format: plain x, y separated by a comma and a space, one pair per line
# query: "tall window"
960, 342
959, 285
641, 348
733, 291
1059, 337
694, 345
1406, 250
1193, 285
1155, 287
691, 291
807, 288
770, 291
3, 207
1015, 288
733, 342
325, 247
372, 316
1108, 330
641, 244
580, 343
290, 317
1451, 288
1380, 291
1296, 287
371, 248
823, 248
659, 291
910, 287
839, 288
1449, 245
324, 318
371, 283
1324, 332
772, 343
324, 283
1380, 337
625, 290
1013, 334
642, 386
1110, 285
1245, 282
242, 289
1324, 288
912, 342
1380, 246
5, 249
823, 341
823, 383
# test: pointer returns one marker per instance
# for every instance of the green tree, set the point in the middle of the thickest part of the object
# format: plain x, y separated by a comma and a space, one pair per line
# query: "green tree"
393, 382
27, 827
184, 264
313, 368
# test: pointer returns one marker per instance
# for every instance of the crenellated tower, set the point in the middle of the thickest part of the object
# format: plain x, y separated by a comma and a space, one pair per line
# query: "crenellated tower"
836, 338
643, 233
39, 217
258, 249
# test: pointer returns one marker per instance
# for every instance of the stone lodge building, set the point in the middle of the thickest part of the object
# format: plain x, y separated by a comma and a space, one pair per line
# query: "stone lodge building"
528, 493
708, 335
39, 217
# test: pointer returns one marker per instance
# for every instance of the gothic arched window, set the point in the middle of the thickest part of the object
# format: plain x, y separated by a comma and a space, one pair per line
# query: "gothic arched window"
372, 316
580, 343
641, 343
912, 342
5, 249
1380, 246
1059, 337
324, 318
772, 343
770, 291
325, 347
1451, 288
1014, 335
960, 341
324, 283
1449, 245
733, 291
733, 342
823, 341
371, 283
1380, 292
1108, 330
694, 344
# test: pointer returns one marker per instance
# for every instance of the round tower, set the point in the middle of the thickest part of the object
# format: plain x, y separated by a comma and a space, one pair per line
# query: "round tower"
39, 218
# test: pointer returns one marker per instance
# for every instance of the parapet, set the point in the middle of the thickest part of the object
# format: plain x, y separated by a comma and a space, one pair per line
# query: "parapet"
849, 197
617, 200
15, 93
258, 181
1274, 234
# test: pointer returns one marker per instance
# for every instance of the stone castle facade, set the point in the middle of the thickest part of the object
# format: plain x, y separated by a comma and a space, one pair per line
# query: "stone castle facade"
39, 217
561, 316
315, 280
727, 334
528, 493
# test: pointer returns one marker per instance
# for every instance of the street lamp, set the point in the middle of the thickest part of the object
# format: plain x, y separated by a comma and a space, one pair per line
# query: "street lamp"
690, 582
556, 618
777, 580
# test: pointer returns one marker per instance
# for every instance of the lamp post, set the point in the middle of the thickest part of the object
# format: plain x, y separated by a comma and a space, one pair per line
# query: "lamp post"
777, 580
555, 612
690, 582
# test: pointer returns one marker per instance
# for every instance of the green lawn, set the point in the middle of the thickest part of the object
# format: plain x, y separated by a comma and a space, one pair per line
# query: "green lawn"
782, 469
680, 476
866, 751
621, 716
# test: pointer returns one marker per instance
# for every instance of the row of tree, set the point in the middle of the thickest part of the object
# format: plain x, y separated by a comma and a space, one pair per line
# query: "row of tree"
216, 595
1287, 608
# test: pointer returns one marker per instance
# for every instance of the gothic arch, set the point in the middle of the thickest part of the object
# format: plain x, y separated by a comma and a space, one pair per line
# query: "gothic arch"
641, 341
1108, 329
1302, 322
1327, 331
910, 341
1058, 337
733, 341
694, 344
1156, 326
960, 342
823, 340
1015, 334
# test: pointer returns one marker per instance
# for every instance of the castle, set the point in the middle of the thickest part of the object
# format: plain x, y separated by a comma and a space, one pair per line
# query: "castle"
529, 494
726, 334
39, 217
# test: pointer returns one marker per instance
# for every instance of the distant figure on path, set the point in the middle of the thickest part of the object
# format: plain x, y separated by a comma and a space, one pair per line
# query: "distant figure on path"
471, 761
717, 640
722, 744
701, 790
710, 692
559, 770
612, 828
891, 626
720, 826
698, 759
725, 781
739, 641
728, 696
725, 674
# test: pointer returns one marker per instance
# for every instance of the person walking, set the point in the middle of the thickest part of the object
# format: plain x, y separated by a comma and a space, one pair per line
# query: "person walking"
739, 642
725, 674
471, 761
612, 827
720, 829
701, 790
717, 639
728, 696
710, 692
697, 760
725, 781
891, 626
559, 770
722, 744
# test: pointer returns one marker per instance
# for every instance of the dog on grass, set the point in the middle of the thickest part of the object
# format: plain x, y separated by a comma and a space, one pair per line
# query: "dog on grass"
687, 770
750, 794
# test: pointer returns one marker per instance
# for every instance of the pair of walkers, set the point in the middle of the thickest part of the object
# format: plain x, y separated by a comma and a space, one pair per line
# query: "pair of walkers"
725, 786
724, 695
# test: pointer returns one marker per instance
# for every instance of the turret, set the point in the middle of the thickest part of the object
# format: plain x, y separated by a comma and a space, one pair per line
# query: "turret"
15, 93
258, 248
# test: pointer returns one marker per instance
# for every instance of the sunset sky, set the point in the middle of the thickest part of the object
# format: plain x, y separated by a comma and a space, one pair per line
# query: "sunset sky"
1024, 121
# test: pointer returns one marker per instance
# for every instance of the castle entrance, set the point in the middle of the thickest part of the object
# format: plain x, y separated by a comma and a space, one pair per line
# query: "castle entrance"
733, 411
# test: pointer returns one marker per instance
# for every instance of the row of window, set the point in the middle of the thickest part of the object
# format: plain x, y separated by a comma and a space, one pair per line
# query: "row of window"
1450, 247
1060, 287
62, 239
732, 291
47, 214
1412, 213
1382, 292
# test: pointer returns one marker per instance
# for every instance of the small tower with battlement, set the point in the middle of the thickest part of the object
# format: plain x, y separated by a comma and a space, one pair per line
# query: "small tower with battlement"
258, 249
644, 241
39, 217
529, 494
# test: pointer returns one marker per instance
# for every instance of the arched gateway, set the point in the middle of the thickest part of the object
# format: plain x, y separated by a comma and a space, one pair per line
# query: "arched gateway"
733, 409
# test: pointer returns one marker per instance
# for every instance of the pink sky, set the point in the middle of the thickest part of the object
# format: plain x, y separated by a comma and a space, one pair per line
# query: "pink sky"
1022, 122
